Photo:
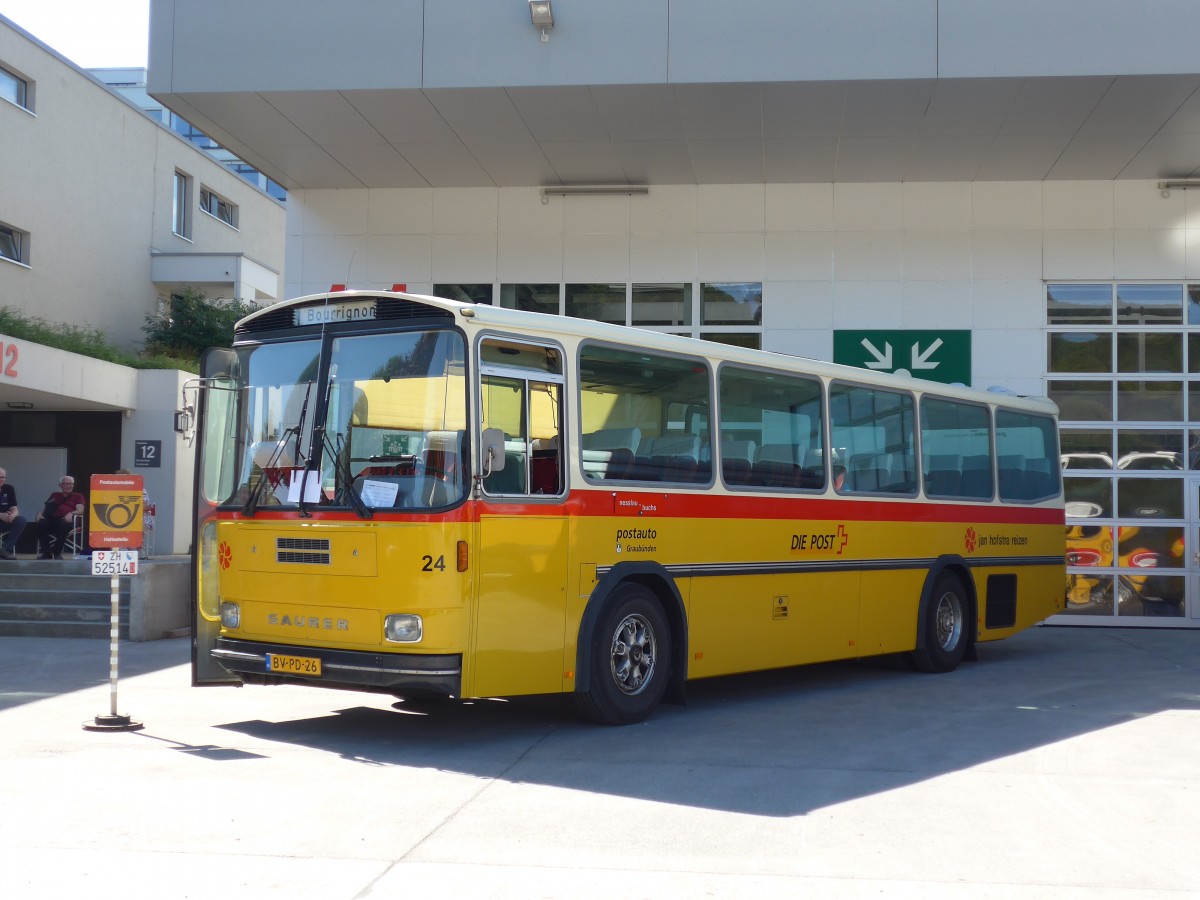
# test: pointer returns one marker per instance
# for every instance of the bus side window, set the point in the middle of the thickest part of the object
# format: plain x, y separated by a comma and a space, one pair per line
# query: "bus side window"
784, 413
522, 398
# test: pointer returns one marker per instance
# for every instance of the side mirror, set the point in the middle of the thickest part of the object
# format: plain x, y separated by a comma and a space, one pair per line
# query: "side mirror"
493, 451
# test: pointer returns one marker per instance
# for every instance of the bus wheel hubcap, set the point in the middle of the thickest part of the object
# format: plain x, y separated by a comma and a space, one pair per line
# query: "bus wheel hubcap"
633, 655
949, 621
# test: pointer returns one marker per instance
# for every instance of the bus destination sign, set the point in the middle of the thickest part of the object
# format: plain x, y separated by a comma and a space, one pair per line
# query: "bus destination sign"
357, 311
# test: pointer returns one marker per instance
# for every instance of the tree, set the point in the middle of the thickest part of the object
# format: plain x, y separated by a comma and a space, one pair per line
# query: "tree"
192, 323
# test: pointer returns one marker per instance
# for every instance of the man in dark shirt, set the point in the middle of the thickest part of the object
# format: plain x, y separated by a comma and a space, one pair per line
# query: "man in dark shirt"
12, 523
56, 520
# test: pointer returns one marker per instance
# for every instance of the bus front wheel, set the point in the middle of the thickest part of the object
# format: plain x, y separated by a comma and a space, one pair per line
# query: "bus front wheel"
631, 649
944, 641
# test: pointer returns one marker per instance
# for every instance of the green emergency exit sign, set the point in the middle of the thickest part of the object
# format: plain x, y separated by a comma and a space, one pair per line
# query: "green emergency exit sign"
943, 356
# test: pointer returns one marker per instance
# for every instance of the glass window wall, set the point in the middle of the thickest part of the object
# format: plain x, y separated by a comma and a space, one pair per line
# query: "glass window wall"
1125, 441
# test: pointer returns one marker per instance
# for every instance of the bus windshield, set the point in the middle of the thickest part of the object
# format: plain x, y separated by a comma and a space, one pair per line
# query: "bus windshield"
396, 420
392, 434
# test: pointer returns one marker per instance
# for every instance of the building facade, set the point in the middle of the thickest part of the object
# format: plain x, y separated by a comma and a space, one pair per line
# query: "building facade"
970, 190
104, 214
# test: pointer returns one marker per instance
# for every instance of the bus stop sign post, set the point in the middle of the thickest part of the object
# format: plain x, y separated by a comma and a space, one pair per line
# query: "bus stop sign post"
115, 521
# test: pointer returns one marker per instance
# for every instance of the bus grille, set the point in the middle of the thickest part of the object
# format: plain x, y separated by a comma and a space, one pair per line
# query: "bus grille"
302, 551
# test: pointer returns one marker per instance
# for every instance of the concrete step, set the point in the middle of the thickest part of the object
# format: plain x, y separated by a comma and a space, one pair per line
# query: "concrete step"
58, 598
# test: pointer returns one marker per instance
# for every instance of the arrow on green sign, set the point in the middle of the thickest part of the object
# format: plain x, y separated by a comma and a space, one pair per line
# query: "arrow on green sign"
943, 356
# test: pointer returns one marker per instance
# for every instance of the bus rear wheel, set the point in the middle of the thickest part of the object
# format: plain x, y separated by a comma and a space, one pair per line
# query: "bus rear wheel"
945, 639
631, 649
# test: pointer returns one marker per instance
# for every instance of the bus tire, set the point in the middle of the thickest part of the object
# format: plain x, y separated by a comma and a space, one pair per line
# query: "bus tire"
630, 661
946, 617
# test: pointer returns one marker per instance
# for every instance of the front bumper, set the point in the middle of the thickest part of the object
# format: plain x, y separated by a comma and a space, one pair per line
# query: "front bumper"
405, 674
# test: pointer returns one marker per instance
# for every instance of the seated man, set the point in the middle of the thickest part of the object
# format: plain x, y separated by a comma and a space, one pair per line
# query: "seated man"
12, 523
54, 522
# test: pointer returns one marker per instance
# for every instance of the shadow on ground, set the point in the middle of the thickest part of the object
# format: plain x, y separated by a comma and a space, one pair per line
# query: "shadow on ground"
789, 741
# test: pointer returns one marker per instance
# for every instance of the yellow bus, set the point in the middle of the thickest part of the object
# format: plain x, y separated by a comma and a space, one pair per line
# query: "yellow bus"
417, 496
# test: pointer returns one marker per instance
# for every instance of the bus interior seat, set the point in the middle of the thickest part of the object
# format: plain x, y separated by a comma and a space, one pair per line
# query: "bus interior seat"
510, 479
736, 456
613, 439
607, 464
775, 466
443, 450
943, 475
1040, 480
543, 472
673, 443
977, 476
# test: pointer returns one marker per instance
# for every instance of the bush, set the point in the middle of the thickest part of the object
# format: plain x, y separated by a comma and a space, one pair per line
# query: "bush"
192, 324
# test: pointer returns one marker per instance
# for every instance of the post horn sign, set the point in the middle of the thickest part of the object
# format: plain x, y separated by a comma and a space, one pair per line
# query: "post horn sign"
115, 511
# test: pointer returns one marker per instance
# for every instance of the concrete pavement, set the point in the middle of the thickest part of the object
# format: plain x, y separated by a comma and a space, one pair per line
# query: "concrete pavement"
1065, 763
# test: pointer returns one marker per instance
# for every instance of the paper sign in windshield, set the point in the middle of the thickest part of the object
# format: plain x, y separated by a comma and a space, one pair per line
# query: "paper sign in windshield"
311, 487
379, 493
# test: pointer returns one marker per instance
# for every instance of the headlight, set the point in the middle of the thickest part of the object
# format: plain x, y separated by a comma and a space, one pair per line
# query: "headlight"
231, 615
403, 629
207, 588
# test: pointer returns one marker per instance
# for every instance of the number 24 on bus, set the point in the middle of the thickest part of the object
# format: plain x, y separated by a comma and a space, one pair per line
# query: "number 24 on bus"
417, 496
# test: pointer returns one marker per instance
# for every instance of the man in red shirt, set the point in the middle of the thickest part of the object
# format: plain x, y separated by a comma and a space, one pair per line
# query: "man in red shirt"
55, 521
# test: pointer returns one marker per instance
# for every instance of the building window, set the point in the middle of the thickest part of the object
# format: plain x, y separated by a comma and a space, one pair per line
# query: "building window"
14, 244
667, 305
598, 302
728, 313
15, 89
467, 293
181, 205
1123, 364
217, 206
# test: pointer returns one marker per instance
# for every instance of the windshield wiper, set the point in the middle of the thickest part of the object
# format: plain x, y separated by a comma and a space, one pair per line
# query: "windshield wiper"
251, 503
342, 476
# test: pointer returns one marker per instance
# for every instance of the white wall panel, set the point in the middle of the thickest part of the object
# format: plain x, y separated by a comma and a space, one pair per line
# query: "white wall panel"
936, 304
932, 206
797, 342
1077, 204
1149, 253
403, 259
464, 258
998, 358
801, 256
602, 214
521, 211
335, 212
334, 259
400, 211
1140, 204
530, 258
1192, 253
799, 207
867, 207
667, 258
1078, 254
595, 258
871, 255
937, 255
795, 306
998, 304
862, 304
465, 211
731, 207
667, 208
1006, 204
1006, 254
729, 257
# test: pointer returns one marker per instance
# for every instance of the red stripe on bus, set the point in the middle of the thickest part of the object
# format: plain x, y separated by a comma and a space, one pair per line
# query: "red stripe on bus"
603, 504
